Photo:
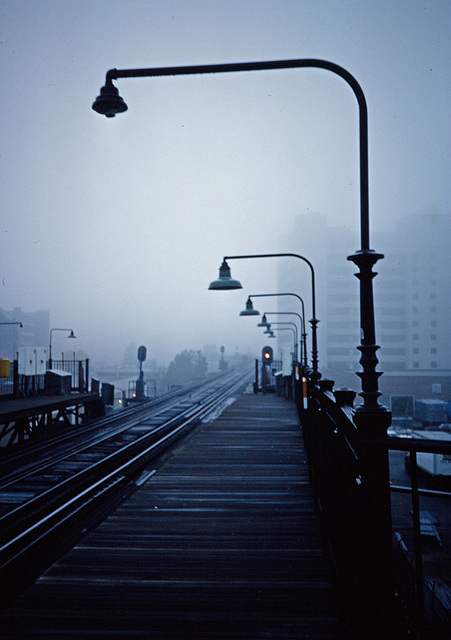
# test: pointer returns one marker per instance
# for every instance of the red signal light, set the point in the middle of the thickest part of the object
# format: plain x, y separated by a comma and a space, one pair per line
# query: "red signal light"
267, 355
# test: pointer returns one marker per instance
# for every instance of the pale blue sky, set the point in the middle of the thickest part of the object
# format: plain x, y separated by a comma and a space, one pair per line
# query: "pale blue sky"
117, 226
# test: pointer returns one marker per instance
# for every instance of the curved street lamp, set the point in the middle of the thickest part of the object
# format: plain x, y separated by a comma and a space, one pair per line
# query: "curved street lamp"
71, 335
293, 328
19, 324
249, 309
225, 280
289, 313
109, 103
285, 329
303, 333
264, 322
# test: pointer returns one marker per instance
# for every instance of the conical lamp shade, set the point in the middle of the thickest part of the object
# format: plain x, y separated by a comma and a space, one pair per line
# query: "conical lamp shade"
225, 280
249, 310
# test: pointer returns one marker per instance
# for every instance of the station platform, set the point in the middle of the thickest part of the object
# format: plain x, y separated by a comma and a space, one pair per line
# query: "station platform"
221, 541
33, 416
12, 408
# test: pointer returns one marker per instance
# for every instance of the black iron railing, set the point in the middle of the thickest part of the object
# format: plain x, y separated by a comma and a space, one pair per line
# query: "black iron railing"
349, 469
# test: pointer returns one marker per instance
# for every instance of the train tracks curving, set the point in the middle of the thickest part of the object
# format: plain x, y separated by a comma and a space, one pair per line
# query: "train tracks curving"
70, 483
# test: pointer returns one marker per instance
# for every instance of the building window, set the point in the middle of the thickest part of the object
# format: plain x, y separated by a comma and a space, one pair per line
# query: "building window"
416, 351
393, 324
339, 351
415, 323
433, 336
416, 365
433, 296
433, 309
433, 365
415, 336
433, 323
415, 309
434, 350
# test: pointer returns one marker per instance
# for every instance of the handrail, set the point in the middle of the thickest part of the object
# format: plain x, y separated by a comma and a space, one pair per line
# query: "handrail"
350, 474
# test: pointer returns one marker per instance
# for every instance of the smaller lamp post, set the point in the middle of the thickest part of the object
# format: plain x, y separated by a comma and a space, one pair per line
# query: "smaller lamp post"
303, 332
289, 313
292, 328
249, 310
264, 322
71, 335
225, 282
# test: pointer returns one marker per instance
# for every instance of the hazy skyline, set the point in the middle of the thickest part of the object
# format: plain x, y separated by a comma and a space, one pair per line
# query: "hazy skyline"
118, 225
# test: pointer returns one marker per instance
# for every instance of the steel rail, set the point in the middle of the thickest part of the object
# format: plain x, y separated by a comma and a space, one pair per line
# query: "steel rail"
14, 517
72, 438
33, 450
102, 482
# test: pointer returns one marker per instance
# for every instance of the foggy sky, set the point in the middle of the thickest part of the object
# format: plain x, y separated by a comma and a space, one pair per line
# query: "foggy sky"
118, 225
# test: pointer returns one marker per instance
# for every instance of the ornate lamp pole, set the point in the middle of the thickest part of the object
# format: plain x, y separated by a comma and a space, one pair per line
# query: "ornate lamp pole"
71, 335
109, 103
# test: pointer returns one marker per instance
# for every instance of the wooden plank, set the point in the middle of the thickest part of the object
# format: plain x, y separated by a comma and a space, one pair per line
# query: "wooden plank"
221, 542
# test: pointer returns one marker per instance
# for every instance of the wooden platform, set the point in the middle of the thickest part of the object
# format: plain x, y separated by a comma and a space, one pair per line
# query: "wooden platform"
222, 541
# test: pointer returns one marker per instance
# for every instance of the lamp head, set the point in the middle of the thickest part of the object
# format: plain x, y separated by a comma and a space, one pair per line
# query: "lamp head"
109, 102
225, 280
72, 334
249, 310
264, 322
268, 330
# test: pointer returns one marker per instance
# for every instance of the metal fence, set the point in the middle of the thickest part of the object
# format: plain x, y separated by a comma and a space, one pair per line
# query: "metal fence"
17, 385
349, 468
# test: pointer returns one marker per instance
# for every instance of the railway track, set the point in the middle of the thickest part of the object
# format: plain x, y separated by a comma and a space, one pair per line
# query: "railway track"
72, 482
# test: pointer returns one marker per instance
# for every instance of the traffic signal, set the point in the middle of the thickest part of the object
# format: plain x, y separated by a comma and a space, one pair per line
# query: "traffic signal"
267, 355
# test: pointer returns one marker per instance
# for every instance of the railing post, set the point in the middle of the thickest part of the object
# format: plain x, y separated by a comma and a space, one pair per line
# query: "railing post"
16, 378
87, 376
374, 587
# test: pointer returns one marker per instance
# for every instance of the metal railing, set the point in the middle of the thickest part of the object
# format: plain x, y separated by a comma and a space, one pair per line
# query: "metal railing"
349, 469
17, 385
79, 370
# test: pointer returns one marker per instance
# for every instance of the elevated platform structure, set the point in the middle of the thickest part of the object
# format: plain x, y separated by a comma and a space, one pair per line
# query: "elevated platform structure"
22, 419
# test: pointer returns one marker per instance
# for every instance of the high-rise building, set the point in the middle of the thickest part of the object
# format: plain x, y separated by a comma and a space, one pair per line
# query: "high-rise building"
412, 292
